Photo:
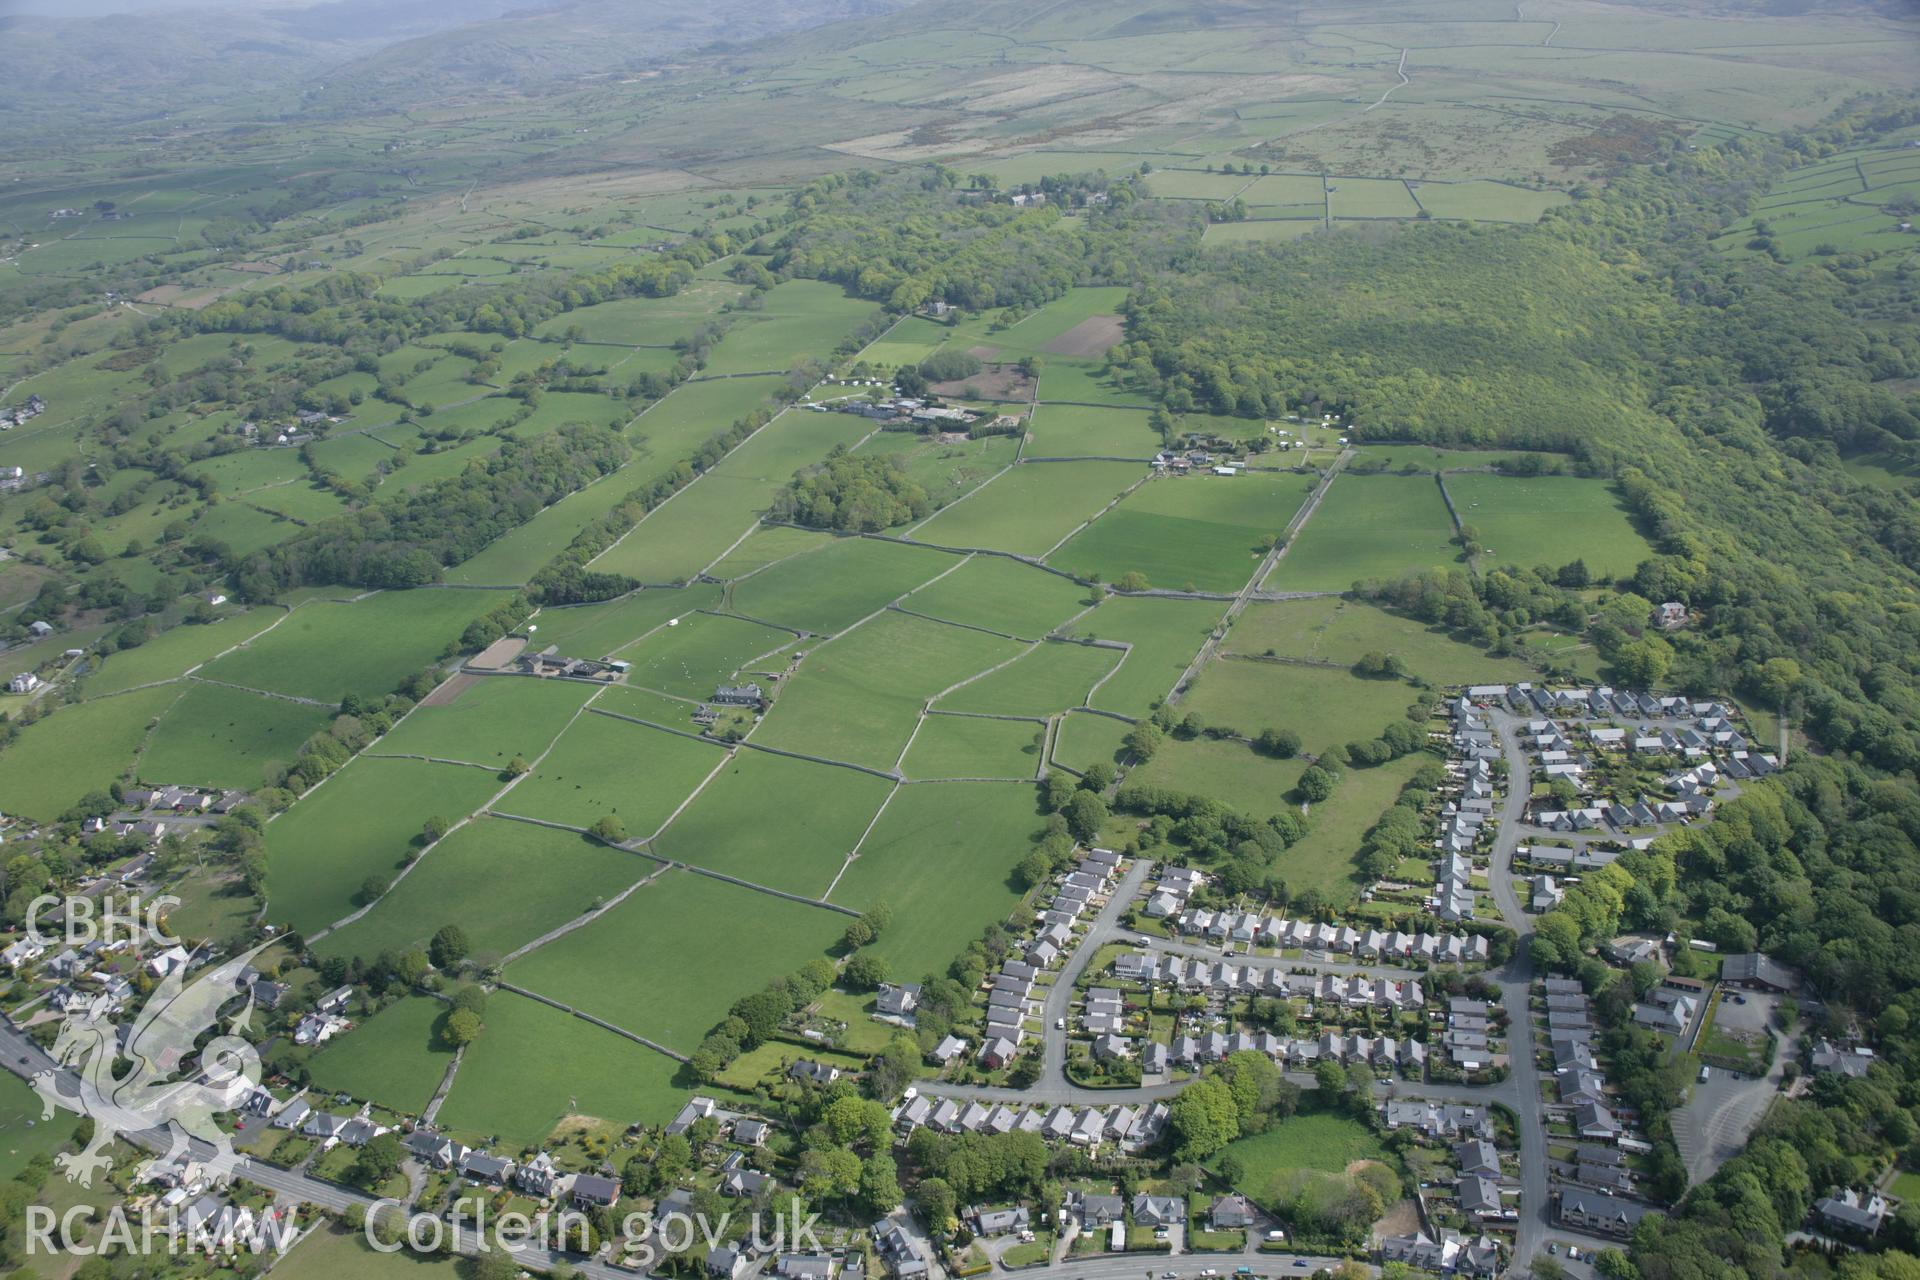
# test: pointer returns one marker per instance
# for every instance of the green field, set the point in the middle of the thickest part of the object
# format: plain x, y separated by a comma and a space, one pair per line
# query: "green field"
505, 883
1370, 198
700, 651
857, 698
801, 319
173, 652
395, 1058
519, 554
837, 582
603, 767
1030, 508
327, 650
57, 760
219, 737
579, 1069
1053, 677
489, 722
770, 544
1075, 431
946, 469
974, 747
1486, 201
942, 856
693, 414
1322, 1141
699, 524
597, 630
1368, 527
732, 827
1330, 629
361, 822
1325, 705
1230, 772
1085, 740
1323, 859
1262, 230
1081, 382
23, 1134
1165, 635
1550, 520
655, 964
1001, 595
1198, 533
337, 1253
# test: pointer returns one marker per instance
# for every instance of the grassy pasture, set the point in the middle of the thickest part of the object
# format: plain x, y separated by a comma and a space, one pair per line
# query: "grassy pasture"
1260, 231
1030, 508
395, 1058
908, 342
1052, 678
1368, 527
1001, 595
1165, 635
1485, 201
336, 1253
801, 319
1550, 520
695, 412
696, 526
668, 961
602, 766
502, 1088
326, 650
1185, 184
174, 652
1031, 334
57, 760
942, 856
1323, 859
1081, 382
219, 737
857, 698
504, 882
1319, 1140
700, 651
23, 1134
776, 821
1085, 740
1230, 772
767, 545
1370, 198
243, 529
518, 554
842, 580
361, 822
598, 630
947, 470
1075, 431
1326, 705
642, 322
1288, 189
1335, 630
490, 722
972, 747
1188, 532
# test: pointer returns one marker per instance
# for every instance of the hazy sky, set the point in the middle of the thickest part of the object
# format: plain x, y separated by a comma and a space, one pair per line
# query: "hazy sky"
94, 8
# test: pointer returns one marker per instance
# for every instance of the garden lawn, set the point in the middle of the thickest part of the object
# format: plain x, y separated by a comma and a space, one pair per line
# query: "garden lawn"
788, 824
1369, 527
1085, 740
942, 856
604, 767
505, 1087
327, 649
857, 698
337, 1253
840, 581
505, 883
220, 737
173, 652
1201, 533
972, 747
23, 1134
1334, 630
1231, 772
597, 630
396, 1058
489, 722
1550, 520
1056, 675
669, 961
57, 760
1324, 705
700, 651
1029, 509
363, 821
1165, 635
1001, 595
1078, 431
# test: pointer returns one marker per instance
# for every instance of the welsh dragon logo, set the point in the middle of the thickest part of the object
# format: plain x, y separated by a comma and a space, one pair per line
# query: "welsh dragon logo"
149, 1097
